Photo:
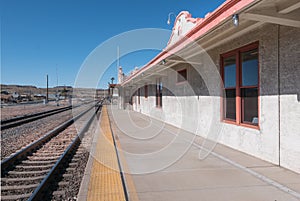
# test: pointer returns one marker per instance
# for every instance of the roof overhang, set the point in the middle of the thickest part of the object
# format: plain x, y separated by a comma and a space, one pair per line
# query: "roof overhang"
217, 28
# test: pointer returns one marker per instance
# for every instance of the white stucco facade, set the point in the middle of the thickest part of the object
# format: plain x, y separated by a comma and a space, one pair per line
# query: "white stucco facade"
195, 105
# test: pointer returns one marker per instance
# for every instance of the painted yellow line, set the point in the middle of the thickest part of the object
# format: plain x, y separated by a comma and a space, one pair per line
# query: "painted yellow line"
105, 182
131, 190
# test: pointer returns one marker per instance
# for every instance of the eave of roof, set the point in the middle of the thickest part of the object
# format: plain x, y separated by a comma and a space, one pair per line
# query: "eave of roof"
211, 20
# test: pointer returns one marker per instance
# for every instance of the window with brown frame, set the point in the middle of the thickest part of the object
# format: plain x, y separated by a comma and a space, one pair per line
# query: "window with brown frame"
132, 101
158, 93
241, 85
139, 96
182, 75
146, 90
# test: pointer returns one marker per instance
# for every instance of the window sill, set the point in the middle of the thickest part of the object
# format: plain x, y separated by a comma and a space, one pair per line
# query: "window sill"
250, 126
241, 124
181, 83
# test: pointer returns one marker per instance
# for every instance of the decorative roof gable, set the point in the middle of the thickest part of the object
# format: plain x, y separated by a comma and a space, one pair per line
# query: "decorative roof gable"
182, 25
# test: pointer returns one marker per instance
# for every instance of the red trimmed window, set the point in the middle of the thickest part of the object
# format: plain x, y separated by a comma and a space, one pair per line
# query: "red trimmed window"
240, 74
139, 96
182, 75
158, 93
132, 101
146, 91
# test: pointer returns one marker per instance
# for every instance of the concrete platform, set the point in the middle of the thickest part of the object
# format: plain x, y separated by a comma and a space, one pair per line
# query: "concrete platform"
164, 163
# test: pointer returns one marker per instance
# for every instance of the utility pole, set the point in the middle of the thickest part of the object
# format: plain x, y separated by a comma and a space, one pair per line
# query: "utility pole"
47, 93
118, 57
57, 96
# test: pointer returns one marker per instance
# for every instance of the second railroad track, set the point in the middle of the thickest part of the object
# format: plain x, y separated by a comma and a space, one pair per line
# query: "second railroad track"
28, 173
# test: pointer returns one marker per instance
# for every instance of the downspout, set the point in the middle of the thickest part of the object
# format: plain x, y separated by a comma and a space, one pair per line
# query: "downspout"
279, 93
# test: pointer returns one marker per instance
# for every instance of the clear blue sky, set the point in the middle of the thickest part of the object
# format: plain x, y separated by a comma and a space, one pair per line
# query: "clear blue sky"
40, 36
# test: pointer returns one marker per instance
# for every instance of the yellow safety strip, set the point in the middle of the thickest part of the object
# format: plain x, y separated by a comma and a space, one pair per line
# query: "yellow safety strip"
105, 182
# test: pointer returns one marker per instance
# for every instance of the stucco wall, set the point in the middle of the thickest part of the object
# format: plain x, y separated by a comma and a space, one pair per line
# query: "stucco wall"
198, 110
262, 143
290, 97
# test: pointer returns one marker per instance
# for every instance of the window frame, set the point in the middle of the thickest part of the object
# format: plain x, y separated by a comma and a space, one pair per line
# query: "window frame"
178, 74
146, 91
133, 97
238, 88
139, 96
158, 95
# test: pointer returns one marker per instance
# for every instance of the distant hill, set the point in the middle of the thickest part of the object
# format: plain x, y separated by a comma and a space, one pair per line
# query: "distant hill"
29, 89
31, 92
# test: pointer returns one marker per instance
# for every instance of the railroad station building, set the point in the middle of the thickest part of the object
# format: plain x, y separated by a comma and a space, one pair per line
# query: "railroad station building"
232, 77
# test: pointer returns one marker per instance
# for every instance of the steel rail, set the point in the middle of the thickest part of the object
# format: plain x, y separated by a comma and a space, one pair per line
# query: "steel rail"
9, 123
17, 118
39, 192
8, 163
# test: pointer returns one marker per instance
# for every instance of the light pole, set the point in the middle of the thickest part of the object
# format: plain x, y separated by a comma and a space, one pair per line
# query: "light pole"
169, 18
112, 80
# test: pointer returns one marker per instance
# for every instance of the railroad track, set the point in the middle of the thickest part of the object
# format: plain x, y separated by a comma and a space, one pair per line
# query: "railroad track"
17, 121
27, 174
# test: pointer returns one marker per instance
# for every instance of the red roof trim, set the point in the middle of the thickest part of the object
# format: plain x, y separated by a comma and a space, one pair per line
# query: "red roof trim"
227, 9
